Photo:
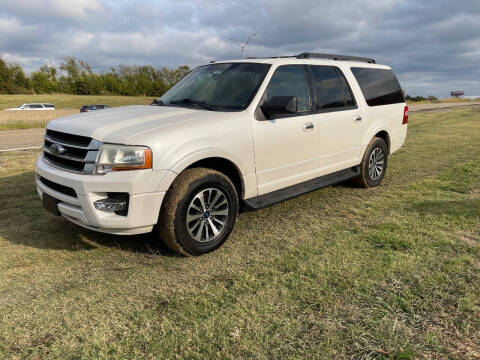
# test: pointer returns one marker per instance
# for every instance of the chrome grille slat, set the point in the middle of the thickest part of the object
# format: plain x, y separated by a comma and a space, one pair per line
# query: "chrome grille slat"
90, 158
69, 152
61, 167
94, 144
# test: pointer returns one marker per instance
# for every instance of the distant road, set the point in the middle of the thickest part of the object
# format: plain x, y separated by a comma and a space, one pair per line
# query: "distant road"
440, 106
12, 140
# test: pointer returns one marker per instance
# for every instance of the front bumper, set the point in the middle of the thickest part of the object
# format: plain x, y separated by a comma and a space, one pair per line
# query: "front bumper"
146, 189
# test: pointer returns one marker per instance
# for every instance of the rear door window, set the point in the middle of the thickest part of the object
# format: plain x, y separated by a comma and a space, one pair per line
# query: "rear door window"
379, 86
331, 88
349, 99
289, 80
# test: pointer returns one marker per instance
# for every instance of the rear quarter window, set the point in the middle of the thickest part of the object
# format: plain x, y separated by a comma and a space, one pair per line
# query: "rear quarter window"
379, 86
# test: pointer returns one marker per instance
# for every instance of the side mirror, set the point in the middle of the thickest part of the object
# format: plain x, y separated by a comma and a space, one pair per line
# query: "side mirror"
278, 105
157, 102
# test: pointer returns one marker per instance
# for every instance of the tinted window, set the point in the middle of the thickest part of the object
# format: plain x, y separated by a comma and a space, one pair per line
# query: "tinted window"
99, 107
49, 106
36, 106
290, 80
349, 99
329, 93
379, 86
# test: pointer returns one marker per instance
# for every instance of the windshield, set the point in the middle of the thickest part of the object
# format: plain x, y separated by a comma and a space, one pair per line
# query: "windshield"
227, 86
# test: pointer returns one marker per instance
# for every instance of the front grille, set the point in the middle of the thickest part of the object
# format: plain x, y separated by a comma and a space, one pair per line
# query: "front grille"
75, 140
59, 188
70, 152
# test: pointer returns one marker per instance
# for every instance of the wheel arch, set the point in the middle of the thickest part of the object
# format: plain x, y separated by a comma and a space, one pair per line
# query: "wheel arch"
226, 167
383, 134
380, 132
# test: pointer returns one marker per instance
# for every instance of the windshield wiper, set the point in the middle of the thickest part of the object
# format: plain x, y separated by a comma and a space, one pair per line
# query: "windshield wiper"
188, 101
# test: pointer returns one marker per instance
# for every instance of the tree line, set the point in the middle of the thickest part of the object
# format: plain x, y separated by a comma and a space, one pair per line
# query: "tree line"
77, 77
420, 98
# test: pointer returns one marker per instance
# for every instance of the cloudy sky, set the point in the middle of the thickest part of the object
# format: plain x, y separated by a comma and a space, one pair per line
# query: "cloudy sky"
433, 45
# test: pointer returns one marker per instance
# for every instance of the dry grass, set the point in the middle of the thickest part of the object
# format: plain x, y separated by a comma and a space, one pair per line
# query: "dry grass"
341, 273
62, 101
66, 105
6, 116
10, 120
447, 100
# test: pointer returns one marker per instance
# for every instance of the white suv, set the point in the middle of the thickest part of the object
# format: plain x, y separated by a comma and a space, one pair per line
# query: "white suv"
230, 135
34, 106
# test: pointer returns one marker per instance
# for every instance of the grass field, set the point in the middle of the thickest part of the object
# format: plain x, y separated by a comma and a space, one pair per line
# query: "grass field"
10, 120
62, 101
66, 105
389, 272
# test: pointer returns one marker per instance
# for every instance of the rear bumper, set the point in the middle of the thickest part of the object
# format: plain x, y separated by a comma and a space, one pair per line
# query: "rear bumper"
146, 189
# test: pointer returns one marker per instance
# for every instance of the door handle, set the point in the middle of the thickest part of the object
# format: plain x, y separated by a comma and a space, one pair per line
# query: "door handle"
308, 126
358, 119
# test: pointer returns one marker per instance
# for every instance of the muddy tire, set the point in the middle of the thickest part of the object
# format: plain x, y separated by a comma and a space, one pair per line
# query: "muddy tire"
199, 212
374, 164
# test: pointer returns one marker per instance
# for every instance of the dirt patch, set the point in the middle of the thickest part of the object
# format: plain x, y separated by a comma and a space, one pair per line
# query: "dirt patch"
469, 238
460, 345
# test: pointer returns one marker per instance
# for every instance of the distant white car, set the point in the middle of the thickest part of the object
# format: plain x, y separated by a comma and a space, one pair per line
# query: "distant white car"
34, 106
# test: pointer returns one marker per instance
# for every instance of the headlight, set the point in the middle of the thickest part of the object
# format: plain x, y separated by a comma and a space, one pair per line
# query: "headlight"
119, 157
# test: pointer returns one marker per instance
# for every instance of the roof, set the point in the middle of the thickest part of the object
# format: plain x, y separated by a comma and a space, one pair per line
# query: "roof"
36, 104
313, 58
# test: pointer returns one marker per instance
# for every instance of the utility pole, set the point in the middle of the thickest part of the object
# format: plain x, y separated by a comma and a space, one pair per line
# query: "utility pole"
243, 46
50, 69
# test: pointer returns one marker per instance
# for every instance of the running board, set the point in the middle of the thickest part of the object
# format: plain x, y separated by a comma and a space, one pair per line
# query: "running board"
274, 197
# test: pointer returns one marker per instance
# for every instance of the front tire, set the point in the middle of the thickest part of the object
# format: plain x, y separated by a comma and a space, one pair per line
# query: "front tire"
374, 164
199, 212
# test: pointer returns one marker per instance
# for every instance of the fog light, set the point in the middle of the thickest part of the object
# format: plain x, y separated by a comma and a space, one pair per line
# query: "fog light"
110, 204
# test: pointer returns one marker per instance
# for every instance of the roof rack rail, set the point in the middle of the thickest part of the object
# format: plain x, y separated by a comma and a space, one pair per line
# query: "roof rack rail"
271, 57
306, 55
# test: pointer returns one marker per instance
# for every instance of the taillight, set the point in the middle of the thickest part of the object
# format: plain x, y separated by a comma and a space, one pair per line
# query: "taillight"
405, 115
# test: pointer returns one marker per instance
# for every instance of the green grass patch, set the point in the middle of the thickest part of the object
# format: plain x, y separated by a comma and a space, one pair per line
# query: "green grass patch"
388, 273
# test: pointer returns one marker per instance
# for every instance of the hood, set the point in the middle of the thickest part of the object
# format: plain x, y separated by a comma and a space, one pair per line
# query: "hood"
119, 124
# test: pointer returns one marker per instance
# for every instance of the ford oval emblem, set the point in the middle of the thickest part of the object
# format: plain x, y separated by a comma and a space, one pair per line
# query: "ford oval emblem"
57, 149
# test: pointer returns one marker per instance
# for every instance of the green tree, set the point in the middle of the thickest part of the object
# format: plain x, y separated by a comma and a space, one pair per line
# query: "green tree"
77, 77
5, 78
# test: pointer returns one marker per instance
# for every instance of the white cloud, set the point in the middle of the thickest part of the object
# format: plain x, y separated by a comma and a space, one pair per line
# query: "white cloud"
429, 51
73, 9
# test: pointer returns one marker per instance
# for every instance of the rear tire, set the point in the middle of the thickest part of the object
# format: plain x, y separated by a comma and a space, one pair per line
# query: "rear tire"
199, 212
374, 164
